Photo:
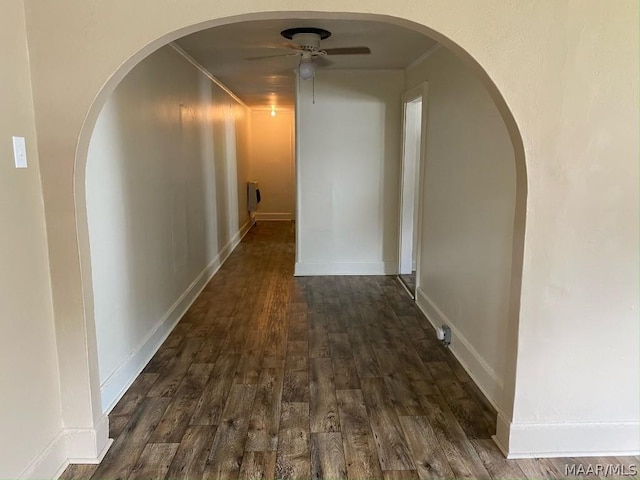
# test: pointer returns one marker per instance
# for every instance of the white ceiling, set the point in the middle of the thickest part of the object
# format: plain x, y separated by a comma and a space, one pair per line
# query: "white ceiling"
270, 82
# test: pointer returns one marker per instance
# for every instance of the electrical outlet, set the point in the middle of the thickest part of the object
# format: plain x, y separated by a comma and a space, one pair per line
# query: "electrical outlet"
444, 335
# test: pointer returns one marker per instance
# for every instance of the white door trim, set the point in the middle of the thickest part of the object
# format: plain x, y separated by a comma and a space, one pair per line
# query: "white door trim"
418, 92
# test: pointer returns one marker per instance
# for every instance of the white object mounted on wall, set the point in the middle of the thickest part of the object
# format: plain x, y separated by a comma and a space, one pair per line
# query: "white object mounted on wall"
253, 198
20, 152
444, 335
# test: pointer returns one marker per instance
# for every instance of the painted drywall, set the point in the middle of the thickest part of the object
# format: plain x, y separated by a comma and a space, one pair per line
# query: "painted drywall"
271, 163
348, 165
564, 75
164, 204
580, 293
467, 216
29, 385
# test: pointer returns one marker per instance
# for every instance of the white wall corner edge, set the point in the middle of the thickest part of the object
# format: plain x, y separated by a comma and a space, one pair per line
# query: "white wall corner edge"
482, 374
567, 439
307, 269
88, 445
114, 387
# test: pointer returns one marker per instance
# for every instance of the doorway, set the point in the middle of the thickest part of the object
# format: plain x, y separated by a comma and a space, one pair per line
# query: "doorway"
413, 143
80, 349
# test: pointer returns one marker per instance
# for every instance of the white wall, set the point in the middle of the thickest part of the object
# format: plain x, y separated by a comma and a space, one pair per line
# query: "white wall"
348, 172
165, 204
30, 415
271, 163
580, 293
468, 214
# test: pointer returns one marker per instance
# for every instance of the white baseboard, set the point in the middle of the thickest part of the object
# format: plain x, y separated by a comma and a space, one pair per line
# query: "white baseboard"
481, 373
114, 387
51, 462
88, 445
274, 216
71, 445
304, 269
533, 440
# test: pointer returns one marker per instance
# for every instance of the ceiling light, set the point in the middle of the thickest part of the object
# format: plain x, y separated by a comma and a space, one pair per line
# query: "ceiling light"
273, 111
307, 70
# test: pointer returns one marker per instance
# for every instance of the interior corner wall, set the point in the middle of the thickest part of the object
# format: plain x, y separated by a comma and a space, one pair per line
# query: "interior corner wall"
166, 203
468, 215
31, 441
349, 157
271, 163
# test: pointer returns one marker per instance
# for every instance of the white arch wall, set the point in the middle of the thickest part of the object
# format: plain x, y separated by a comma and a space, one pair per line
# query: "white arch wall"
567, 71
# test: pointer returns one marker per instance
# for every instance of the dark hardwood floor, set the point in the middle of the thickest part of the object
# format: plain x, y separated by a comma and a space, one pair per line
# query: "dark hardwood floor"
271, 376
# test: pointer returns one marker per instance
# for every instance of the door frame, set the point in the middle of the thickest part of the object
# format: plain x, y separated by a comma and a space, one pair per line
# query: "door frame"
418, 92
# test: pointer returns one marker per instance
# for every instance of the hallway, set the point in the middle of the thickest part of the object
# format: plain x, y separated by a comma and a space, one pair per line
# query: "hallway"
271, 376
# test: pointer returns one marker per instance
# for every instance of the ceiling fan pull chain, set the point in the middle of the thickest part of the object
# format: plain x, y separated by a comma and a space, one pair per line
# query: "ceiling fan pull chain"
313, 92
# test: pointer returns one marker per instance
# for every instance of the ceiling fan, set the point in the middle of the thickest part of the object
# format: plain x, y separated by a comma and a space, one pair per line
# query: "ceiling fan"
306, 43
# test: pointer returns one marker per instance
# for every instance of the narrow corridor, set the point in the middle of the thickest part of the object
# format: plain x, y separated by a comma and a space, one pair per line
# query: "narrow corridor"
271, 376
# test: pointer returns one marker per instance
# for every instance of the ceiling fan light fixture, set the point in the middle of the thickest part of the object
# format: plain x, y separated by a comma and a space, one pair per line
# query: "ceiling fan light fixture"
307, 70
289, 33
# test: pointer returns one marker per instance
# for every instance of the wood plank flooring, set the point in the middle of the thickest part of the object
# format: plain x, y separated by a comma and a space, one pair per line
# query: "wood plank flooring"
269, 376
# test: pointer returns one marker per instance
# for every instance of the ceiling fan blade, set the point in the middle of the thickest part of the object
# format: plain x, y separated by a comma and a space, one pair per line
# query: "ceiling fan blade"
262, 57
348, 51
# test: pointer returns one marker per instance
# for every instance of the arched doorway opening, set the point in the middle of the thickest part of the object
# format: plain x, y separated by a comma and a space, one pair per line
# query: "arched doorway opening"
111, 83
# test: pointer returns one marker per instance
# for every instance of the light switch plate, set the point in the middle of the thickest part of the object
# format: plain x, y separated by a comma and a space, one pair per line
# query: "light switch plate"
20, 152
